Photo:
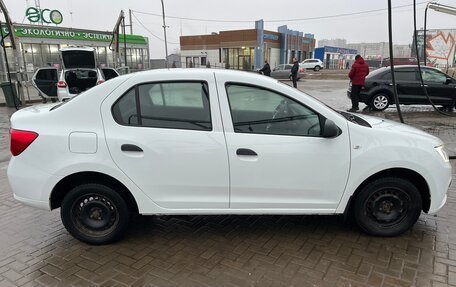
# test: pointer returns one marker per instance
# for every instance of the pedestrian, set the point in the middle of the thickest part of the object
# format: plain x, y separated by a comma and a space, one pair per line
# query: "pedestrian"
294, 72
266, 70
357, 75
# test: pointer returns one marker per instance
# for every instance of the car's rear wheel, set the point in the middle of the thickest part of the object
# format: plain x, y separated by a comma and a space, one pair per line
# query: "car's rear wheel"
317, 68
380, 102
387, 206
95, 214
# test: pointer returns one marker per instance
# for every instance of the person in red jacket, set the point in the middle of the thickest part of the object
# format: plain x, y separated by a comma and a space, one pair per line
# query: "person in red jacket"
357, 75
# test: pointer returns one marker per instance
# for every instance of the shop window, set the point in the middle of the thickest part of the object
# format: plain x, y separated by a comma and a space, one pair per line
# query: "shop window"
203, 61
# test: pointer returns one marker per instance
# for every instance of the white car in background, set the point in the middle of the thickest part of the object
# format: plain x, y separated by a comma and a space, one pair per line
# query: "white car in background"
202, 141
79, 73
314, 64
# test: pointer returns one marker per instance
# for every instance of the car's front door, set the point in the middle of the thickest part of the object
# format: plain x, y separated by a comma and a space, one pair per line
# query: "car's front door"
167, 137
441, 90
278, 158
45, 80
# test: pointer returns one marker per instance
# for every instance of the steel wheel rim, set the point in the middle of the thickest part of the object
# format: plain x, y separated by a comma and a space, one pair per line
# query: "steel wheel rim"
94, 214
380, 102
387, 206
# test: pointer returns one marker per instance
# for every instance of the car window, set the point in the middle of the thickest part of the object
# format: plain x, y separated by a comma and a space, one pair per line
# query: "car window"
125, 110
433, 76
109, 73
259, 111
401, 75
177, 105
47, 74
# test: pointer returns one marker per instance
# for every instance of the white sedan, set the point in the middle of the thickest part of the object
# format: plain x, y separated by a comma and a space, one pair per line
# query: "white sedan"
218, 142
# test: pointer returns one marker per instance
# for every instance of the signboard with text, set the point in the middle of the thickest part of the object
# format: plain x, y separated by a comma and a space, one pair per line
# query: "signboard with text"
71, 34
47, 16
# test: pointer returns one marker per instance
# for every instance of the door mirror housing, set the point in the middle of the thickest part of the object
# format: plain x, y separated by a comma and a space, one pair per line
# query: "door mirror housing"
330, 130
448, 81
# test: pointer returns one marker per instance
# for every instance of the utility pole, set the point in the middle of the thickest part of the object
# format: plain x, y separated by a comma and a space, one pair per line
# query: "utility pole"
164, 31
131, 22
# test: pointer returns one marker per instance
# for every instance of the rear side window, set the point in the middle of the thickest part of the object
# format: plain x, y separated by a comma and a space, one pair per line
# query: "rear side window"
175, 105
47, 74
401, 75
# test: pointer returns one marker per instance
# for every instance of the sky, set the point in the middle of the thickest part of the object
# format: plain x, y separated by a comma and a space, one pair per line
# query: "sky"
185, 17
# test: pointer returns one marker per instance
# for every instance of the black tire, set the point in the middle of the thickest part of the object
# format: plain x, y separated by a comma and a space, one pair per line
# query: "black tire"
380, 101
387, 206
84, 202
317, 68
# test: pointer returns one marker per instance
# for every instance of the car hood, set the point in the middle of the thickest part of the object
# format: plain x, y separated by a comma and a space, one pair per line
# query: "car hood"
396, 127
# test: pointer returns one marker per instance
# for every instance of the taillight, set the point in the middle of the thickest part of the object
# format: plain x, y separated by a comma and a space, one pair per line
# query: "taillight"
20, 140
301, 70
61, 85
100, 82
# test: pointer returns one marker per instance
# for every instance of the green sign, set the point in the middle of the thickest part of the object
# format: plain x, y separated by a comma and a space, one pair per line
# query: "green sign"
44, 15
72, 34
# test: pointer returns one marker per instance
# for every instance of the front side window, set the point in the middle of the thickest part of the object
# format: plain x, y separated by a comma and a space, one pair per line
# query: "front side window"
260, 111
176, 105
433, 76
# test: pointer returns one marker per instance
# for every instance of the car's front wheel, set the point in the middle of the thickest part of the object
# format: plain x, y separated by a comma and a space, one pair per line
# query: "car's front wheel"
387, 206
380, 102
317, 68
95, 214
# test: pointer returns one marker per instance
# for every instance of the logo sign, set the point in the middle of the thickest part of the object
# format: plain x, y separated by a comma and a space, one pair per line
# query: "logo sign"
46, 15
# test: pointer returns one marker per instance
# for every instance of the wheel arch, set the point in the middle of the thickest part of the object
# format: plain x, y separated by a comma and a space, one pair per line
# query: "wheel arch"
382, 90
73, 180
415, 178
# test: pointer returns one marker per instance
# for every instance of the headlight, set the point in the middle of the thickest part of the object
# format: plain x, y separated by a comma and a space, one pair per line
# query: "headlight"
442, 152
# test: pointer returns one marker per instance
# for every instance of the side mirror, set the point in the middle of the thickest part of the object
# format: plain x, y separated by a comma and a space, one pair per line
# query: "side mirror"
448, 81
330, 130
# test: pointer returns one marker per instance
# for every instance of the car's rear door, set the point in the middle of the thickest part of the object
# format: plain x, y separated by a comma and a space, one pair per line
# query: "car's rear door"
408, 87
45, 80
165, 133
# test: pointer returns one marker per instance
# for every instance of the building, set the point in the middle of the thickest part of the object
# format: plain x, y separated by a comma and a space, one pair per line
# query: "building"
380, 50
335, 57
39, 46
246, 49
333, 43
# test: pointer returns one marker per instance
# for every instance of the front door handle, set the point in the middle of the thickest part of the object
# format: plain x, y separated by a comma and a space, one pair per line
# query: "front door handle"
131, 147
246, 151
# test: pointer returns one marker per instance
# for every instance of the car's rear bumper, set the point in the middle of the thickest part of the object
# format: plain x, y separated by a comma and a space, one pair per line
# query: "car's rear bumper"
31, 185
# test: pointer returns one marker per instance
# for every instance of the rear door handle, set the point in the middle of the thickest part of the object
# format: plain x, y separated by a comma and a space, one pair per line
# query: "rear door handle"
246, 151
131, 147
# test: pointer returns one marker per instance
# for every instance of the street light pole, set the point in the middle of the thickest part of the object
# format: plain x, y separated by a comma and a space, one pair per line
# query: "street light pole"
164, 31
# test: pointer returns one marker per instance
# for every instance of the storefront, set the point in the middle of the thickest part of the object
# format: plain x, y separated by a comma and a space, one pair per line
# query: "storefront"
246, 49
39, 47
335, 57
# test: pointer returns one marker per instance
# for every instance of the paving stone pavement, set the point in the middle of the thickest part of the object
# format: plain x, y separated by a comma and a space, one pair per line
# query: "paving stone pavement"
36, 250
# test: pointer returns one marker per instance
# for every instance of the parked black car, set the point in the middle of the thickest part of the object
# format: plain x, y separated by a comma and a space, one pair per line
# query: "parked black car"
378, 92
